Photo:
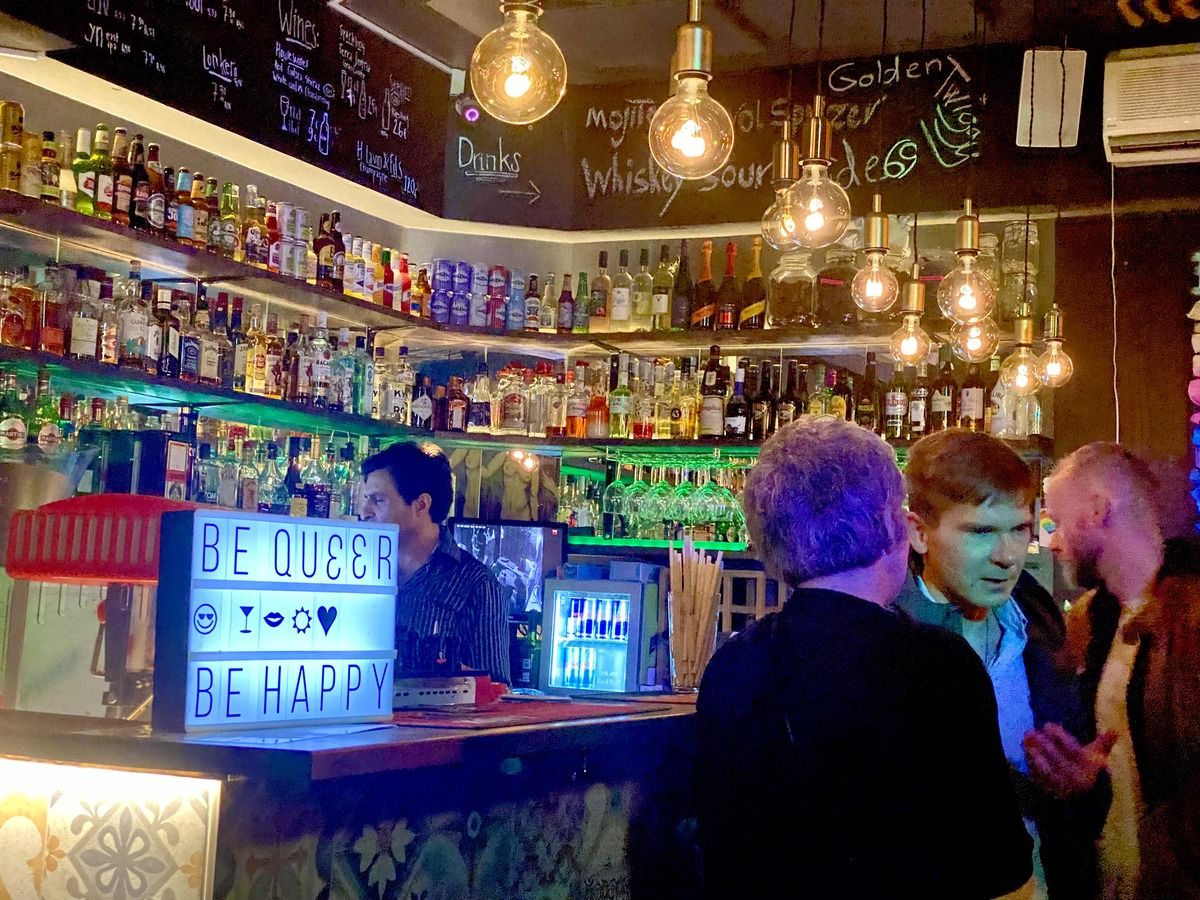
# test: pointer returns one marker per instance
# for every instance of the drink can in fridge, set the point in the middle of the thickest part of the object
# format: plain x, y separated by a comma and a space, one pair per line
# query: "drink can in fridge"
478, 308
285, 216
10, 170
479, 278
442, 271
462, 278
439, 307
460, 308
299, 222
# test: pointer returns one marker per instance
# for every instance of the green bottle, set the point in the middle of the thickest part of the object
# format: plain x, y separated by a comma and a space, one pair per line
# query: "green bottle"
231, 226
583, 306
85, 174
43, 422
102, 166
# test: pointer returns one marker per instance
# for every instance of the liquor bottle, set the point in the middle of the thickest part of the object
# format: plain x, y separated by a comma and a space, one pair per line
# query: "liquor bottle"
13, 430
339, 254
49, 168
205, 477
169, 191
139, 183
621, 311
566, 307
754, 292
170, 359
895, 406
122, 178
577, 403
943, 397
230, 240
255, 355
422, 297
108, 333
237, 340
390, 300
274, 237
792, 403
704, 301
685, 420
84, 173
352, 273
103, 168
66, 176
13, 312
972, 400
764, 409
994, 392
250, 241
195, 209
712, 395
422, 406
248, 479
404, 283
213, 226
273, 374
737, 410
729, 298
304, 257
841, 399
401, 389
598, 414
582, 320
458, 405
341, 374
682, 292
134, 315
209, 372
293, 480
479, 410
866, 397
651, 406
156, 202
366, 391
660, 291
42, 426
316, 478
378, 274
365, 276
323, 248
918, 404
220, 337
189, 344
322, 353
273, 494
642, 316
620, 399
600, 297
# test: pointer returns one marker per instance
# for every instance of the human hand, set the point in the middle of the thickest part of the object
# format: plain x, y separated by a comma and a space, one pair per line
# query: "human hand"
1060, 765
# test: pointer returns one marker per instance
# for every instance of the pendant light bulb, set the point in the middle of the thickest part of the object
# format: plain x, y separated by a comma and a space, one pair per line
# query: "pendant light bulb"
910, 343
779, 222
822, 203
1054, 367
518, 72
974, 342
875, 287
1018, 373
691, 134
967, 294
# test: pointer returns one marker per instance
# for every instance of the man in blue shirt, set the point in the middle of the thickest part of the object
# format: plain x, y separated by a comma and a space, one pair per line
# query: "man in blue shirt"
970, 513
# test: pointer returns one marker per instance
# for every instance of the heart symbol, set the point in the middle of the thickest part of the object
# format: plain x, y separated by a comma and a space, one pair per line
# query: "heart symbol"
326, 615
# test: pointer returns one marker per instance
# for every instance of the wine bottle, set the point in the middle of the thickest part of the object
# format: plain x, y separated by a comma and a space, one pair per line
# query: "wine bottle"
729, 298
681, 299
704, 301
754, 292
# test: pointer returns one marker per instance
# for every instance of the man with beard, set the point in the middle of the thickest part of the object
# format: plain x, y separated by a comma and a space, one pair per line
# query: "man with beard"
1137, 640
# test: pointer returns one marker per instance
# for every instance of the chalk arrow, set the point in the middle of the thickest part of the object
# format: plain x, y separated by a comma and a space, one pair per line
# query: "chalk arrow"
534, 193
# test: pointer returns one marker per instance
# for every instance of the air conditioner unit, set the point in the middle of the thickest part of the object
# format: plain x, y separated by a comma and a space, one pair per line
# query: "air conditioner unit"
1152, 106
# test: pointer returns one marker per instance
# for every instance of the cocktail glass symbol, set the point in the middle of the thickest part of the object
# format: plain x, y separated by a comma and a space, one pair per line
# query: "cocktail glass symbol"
246, 610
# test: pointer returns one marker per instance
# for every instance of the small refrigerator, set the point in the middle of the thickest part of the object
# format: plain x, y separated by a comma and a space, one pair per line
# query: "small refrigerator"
599, 636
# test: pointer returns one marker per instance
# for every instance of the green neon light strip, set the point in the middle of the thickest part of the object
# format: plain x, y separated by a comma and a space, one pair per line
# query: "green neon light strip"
577, 472
648, 543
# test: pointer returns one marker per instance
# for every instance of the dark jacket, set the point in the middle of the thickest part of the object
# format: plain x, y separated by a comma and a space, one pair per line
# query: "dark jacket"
848, 752
1067, 828
1163, 701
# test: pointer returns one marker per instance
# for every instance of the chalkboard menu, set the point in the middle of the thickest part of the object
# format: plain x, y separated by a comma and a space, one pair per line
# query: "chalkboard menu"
293, 74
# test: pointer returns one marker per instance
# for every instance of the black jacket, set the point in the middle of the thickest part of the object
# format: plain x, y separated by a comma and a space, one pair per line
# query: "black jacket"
1067, 828
848, 752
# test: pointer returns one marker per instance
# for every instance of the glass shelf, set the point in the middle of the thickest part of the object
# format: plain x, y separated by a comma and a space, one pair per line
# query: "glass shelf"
649, 543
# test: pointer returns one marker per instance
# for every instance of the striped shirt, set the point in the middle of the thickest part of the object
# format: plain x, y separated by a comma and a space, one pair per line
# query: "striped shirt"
455, 597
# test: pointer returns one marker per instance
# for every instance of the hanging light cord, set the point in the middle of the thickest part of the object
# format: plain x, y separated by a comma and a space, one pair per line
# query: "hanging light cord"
790, 61
821, 49
883, 42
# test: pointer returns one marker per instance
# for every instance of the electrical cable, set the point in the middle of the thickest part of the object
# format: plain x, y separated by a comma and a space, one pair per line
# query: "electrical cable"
1112, 234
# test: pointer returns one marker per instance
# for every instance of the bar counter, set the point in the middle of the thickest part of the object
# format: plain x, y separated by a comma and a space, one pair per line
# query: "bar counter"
593, 807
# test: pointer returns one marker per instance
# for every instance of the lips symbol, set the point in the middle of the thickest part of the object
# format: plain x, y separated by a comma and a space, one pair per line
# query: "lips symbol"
273, 619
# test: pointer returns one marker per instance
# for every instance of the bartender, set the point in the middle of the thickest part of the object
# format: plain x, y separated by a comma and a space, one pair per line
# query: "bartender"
448, 605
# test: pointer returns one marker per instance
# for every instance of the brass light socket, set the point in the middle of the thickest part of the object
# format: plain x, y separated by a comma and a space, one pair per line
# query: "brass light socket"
875, 226
913, 300
693, 45
816, 140
967, 230
1023, 328
786, 156
1052, 325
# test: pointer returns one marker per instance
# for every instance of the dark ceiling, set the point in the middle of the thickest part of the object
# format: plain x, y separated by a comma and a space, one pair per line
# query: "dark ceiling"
622, 40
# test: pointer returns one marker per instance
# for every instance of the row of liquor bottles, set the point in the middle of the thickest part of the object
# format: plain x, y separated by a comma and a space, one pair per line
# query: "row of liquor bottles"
167, 454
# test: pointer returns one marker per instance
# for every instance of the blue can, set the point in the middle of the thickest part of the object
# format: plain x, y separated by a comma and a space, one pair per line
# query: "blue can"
462, 278
460, 309
439, 307
443, 275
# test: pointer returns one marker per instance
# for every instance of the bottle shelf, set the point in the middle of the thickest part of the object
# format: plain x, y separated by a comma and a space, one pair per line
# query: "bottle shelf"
53, 231
649, 544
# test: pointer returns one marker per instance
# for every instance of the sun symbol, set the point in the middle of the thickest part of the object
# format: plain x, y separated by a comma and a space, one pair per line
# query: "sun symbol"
302, 615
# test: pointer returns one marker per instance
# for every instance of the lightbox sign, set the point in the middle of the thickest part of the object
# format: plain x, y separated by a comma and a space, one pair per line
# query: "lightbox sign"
264, 620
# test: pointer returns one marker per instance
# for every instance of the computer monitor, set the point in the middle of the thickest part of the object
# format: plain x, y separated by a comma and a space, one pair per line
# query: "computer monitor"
520, 554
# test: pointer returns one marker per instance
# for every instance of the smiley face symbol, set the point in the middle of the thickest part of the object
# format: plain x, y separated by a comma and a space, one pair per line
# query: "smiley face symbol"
205, 618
